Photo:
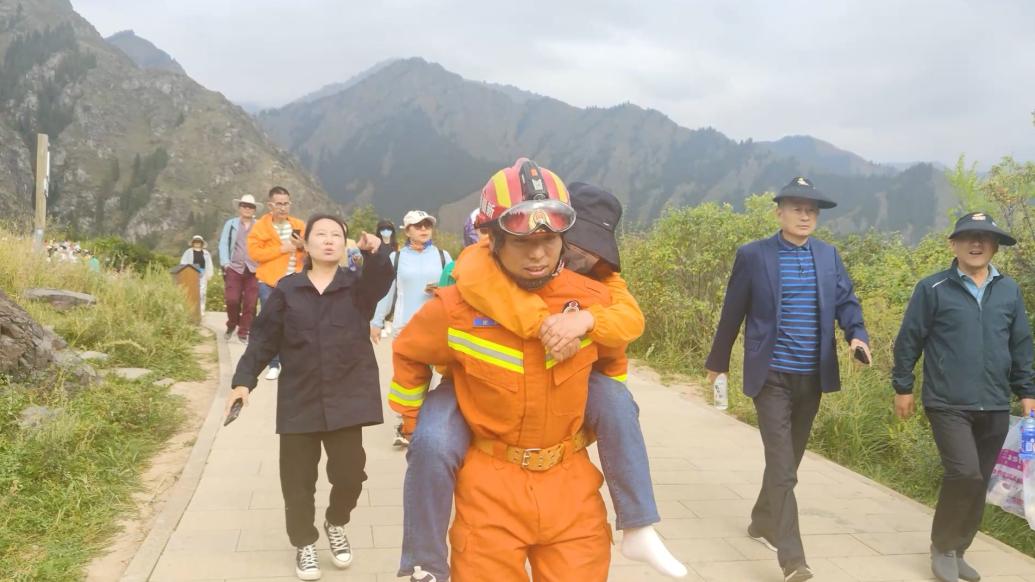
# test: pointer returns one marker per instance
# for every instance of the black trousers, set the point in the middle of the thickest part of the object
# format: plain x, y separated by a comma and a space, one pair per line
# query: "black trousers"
786, 407
968, 442
299, 463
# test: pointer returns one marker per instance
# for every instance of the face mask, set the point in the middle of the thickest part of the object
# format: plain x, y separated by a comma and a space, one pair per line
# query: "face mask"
386, 234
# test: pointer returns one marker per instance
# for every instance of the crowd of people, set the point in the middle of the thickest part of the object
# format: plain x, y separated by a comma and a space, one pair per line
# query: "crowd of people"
509, 361
68, 251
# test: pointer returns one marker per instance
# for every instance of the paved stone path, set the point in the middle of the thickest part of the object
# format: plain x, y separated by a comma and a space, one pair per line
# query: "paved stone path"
706, 467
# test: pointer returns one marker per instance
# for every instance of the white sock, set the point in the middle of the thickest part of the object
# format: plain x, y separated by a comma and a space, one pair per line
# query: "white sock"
643, 544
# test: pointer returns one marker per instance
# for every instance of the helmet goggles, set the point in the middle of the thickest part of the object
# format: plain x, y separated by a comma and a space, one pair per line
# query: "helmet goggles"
530, 216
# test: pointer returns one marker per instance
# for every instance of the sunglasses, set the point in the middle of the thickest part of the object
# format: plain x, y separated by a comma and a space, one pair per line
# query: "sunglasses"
528, 217
424, 224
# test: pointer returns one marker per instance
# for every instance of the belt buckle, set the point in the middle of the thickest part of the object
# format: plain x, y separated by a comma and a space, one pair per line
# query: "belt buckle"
526, 457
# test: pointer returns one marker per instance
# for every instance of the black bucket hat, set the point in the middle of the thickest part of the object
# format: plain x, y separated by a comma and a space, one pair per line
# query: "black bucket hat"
597, 213
802, 188
981, 222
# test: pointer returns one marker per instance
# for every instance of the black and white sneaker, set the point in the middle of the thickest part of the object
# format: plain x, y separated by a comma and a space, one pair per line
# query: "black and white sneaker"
341, 551
799, 574
420, 575
400, 439
760, 538
307, 565
229, 334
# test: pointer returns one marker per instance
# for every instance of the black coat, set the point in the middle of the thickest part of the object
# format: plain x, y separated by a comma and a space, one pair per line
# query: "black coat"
329, 378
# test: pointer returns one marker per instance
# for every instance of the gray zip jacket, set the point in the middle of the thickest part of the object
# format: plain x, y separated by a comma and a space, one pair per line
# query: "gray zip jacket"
974, 355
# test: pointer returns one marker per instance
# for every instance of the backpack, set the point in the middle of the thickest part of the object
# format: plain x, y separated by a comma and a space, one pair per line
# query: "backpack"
395, 269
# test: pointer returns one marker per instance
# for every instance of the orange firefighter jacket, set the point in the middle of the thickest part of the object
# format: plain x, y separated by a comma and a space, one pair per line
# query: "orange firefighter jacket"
264, 248
616, 325
507, 386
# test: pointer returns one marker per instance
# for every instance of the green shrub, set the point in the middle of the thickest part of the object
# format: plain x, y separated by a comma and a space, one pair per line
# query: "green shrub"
214, 300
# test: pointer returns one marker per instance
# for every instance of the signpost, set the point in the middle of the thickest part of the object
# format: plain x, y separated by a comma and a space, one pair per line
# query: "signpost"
42, 185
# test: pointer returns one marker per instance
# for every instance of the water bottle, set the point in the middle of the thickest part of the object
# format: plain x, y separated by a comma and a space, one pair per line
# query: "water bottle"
1028, 437
720, 395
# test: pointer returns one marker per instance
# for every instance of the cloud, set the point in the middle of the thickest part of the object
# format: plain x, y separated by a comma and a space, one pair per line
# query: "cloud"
892, 81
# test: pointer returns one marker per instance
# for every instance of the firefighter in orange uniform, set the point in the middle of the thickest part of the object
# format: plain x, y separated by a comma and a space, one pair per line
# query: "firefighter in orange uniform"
527, 490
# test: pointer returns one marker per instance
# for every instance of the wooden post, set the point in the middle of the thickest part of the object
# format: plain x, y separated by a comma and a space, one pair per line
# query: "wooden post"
188, 277
42, 185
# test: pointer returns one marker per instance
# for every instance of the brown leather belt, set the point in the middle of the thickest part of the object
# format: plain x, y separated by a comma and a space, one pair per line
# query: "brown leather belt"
535, 459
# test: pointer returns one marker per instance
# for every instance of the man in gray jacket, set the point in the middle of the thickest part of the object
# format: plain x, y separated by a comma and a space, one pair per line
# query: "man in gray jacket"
970, 324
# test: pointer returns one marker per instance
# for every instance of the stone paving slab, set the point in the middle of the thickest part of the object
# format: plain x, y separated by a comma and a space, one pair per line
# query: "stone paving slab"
707, 468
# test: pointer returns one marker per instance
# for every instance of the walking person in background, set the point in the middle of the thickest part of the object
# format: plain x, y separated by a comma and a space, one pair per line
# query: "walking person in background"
198, 256
790, 288
970, 325
275, 243
418, 267
471, 234
317, 320
241, 288
386, 230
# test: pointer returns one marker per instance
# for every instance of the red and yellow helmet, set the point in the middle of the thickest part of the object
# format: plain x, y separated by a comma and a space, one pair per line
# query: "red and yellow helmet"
525, 198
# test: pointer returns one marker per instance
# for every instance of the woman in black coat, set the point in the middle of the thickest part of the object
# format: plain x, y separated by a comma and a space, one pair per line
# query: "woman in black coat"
329, 389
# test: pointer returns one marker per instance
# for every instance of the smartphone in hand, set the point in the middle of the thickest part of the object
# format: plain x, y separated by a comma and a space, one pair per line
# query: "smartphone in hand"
235, 411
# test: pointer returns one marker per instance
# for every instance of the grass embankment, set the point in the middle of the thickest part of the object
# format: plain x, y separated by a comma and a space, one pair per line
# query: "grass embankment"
678, 271
62, 485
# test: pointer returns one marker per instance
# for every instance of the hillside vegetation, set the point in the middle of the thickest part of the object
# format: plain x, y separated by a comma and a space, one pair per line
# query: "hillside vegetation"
678, 271
63, 483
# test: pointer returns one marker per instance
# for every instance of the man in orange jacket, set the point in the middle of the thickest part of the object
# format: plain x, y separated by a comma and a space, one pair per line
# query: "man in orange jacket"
441, 438
527, 490
275, 243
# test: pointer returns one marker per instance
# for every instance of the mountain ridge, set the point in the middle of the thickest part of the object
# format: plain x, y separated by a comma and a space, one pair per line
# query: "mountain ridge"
143, 52
451, 133
149, 155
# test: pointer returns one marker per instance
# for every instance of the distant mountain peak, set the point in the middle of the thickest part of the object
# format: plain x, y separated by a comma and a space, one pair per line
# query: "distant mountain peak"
820, 155
335, 88
413, 130
143, 52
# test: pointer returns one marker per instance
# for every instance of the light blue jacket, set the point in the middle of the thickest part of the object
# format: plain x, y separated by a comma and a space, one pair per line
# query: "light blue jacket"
416, 270
227, 239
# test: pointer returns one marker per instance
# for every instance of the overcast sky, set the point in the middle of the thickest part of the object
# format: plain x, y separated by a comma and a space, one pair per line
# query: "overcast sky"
890, 81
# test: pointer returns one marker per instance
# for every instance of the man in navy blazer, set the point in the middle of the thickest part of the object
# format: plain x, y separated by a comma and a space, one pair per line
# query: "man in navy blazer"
790, 288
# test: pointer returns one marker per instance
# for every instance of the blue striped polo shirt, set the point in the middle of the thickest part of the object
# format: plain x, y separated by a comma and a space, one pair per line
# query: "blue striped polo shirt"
797, 333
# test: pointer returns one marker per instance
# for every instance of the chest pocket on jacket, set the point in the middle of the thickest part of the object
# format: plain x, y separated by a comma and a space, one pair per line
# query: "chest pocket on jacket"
299, 321
343, 314
495, 391
571, 382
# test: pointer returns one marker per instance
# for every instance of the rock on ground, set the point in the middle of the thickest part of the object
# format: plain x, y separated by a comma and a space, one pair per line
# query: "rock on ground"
59, 298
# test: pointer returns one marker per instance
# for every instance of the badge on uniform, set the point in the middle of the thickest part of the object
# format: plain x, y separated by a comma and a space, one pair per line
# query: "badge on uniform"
482, 321
572, 306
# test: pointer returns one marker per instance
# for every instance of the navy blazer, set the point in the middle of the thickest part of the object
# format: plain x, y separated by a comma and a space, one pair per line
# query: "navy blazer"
753, 293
